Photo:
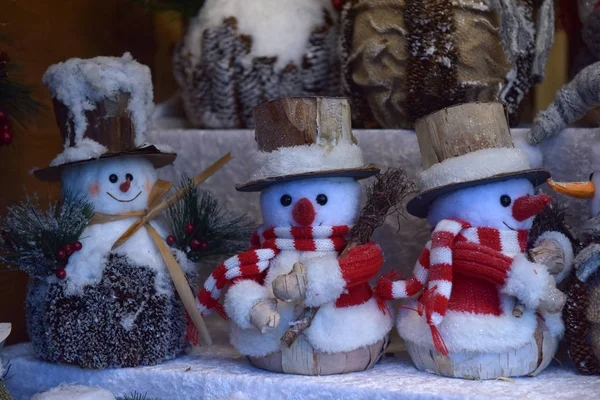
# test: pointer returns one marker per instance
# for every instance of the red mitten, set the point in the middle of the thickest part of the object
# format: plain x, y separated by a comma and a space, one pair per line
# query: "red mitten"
361, 264
481, 262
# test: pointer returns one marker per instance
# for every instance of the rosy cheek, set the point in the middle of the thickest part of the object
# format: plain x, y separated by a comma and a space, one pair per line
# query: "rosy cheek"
148, 186
94, 188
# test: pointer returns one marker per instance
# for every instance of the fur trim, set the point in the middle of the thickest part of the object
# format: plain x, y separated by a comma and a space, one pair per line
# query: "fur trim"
567, 248
348, 328
240, 299
554, 322
463, 331
587, 262
526, 281
325, 282
250, 342
302, 159
479, 164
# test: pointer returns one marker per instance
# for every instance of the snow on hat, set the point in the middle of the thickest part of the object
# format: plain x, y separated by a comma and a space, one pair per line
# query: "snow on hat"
305, 137
467, 145
103, 107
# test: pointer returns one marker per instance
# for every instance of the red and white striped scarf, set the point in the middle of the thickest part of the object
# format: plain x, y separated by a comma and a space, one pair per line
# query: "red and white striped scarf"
433, 270
266, 244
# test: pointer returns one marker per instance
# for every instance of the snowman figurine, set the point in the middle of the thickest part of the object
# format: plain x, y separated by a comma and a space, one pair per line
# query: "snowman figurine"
488, 307
107, 308
308, 167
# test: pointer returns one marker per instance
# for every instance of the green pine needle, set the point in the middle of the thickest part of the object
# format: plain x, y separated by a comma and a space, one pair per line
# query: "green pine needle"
16, 99
225, 234
139, 396
31, 237
187, 8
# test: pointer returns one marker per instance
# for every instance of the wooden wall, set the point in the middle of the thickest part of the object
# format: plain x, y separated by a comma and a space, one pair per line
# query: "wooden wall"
38, 33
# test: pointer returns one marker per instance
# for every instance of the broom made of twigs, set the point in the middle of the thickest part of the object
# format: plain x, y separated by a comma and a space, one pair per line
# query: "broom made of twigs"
384, 197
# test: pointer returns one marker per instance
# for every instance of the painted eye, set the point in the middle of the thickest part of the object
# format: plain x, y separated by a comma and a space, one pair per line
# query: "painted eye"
286, 200
591, 176
505, 200
113, 178
129, 177
322, 199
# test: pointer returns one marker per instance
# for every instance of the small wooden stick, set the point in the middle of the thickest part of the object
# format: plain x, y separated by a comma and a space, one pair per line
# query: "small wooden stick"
159, 208
181, 284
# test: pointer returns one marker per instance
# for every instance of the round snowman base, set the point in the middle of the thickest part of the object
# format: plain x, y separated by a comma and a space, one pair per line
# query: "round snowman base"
302, 359
528, 360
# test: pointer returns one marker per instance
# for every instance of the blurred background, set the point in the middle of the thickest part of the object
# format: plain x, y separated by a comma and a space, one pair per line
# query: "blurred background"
37, 33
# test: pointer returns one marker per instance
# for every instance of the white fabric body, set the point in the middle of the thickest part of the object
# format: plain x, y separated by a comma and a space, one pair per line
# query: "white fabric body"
479, 164
333, 329
301, 159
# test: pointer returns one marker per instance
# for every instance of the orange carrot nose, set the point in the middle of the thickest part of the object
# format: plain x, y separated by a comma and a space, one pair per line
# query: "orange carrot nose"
579, 190
125, 186
529, 206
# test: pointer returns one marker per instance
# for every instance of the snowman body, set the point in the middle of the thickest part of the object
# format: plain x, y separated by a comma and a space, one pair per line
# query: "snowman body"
115, 308
348, 321
237, 54
481, 335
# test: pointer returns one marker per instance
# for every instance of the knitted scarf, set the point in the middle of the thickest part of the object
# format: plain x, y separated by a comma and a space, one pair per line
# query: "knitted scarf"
433, 270
266, 244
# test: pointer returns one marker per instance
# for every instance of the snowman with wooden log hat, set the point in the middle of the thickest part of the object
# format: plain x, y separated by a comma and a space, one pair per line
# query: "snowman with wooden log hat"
103, 107
488, 306
308, 165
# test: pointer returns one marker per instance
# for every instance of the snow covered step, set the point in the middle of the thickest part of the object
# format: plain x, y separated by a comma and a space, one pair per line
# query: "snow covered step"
568, 156
219, 373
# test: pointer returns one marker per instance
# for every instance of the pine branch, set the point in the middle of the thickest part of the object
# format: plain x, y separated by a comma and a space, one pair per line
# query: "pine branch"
220, 232
187, 8
32, 237
16, 99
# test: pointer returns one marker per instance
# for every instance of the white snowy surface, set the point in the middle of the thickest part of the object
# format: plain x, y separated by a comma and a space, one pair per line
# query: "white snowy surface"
278, 27
218, 372
568, 156
73, 392
81, 83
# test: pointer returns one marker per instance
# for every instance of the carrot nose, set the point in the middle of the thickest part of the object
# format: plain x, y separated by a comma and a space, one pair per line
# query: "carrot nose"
125, 186
304, 212
579, 190
529, 206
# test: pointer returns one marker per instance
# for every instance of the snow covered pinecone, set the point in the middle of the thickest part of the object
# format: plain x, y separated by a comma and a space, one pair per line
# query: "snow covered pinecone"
120, 322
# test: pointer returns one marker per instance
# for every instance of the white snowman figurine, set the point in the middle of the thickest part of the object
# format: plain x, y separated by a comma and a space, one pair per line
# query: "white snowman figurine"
107, 308
486, 308
308, 166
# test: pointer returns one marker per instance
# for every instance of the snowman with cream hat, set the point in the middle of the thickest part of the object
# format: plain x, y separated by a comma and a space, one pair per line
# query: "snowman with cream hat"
486, 304
307, 170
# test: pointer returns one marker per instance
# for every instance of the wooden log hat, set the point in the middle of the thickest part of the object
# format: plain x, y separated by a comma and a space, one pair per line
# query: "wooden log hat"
103, 108
305, 137
467, 145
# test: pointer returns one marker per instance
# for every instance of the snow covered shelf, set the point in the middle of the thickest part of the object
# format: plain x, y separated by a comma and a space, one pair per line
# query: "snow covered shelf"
218, 373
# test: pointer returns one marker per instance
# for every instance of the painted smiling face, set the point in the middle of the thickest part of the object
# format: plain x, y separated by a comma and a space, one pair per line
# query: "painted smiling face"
311, 202
113, 185
503, 205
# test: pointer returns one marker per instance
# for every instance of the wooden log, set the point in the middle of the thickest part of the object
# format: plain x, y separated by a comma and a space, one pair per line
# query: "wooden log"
528, 360
441, 135
302, 359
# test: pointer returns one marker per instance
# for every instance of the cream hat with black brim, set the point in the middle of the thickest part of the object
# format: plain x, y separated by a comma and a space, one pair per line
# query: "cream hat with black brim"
304, 138
467, 145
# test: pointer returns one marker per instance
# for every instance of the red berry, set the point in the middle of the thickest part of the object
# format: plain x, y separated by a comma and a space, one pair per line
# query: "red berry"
189, 228
6, 138
68, 249
195, 244
61, 273
61, 255
203, 245
3, 116
77, 246
171, 240
337, 4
